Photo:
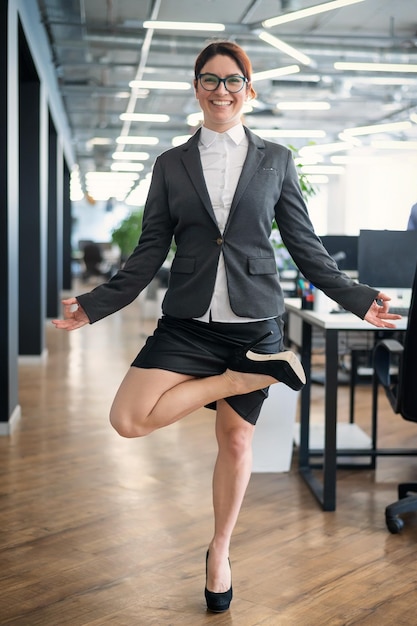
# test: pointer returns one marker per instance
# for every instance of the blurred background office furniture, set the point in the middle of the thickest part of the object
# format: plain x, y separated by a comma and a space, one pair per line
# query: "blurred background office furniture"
98, 260
386, 261
332, 440
273, 440
412, 218
344, 250
401, 391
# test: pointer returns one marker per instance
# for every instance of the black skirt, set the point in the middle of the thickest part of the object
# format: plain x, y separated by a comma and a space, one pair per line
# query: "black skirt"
202, 349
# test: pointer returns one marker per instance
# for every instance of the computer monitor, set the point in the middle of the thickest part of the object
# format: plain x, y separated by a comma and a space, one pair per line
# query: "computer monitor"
387, 258
344, 249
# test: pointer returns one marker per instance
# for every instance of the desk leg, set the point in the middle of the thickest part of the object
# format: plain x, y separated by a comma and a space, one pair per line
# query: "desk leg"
324, 491
304, 449
303, 452
330, 423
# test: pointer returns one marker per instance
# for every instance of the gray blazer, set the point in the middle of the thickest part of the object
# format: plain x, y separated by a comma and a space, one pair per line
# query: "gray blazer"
178, 206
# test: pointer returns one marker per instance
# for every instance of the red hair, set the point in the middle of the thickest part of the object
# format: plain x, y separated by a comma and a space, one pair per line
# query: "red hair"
229, 49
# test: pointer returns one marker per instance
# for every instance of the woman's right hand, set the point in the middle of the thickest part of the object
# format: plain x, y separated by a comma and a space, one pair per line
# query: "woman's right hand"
74, 316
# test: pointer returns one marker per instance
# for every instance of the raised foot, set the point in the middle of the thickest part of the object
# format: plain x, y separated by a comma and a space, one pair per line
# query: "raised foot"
285, 367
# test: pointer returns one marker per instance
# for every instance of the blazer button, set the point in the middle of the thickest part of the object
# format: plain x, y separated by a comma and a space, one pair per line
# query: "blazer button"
219, 241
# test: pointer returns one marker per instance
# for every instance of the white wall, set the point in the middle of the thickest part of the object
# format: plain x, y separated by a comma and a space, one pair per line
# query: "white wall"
376, 192
379, 194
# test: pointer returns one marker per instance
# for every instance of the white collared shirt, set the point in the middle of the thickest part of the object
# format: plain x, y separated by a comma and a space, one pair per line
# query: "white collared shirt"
222, 158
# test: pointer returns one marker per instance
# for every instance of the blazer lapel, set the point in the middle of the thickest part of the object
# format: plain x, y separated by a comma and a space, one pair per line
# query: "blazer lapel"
256, 154
192, 163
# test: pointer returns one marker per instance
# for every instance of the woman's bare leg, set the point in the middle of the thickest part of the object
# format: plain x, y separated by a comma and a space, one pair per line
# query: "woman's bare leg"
149, 399
230, 479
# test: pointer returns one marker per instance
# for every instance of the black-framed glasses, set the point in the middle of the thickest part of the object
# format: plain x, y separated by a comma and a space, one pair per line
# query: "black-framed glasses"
232, 83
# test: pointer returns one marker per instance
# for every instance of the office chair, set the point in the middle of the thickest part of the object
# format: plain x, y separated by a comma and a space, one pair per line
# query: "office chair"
401, 391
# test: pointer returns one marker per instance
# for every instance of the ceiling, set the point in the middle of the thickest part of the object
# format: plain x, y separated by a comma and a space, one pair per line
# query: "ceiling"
99, 46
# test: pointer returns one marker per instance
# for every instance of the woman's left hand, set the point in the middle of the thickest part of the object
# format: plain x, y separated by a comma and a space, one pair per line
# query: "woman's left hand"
378, 314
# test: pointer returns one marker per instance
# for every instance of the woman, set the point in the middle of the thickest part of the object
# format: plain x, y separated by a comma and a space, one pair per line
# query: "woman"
218, 195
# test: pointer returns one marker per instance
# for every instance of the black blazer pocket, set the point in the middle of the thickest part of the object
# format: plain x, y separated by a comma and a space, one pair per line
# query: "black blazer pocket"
183, 265
262, 265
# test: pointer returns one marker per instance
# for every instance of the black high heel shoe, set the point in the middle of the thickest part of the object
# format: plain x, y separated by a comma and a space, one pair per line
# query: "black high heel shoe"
283, 366
217, 602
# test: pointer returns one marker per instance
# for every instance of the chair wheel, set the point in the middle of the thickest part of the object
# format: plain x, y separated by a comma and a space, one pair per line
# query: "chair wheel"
394, 524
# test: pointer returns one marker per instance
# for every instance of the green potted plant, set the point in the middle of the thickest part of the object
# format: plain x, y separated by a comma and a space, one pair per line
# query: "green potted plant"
284, 261
127, 233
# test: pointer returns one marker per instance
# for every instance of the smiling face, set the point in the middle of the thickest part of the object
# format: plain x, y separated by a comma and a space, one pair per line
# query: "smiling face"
222, 110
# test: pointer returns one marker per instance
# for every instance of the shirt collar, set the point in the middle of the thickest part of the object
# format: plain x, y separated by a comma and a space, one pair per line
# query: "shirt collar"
236, 134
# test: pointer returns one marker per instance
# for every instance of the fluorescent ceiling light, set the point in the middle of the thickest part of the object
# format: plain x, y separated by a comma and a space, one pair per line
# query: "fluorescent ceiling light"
325, 148
310, 134
144, 117
158, 24
180, 139
395, 145
303, 106
313, 159
104, 177
104, 185
159, 84
98, 141
305, 78
76, 192
378, 128
127, 167
386, 80
284, 47
298, 15
375, 67
347, 137
343, 159
146, 141
323, 169
131, 156
279, 71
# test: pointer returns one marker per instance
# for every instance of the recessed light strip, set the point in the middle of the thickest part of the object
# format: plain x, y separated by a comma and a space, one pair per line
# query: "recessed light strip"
325, 148
378, 128
159, 84
376, 67
298, 15
144, 117
127, 167
275, 73
284, 47
323, 169
395, 145
131, 156
146, 141
303, 106
271, 133
158, 24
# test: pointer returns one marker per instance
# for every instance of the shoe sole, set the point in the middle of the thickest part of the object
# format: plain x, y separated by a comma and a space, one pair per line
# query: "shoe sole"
288, 356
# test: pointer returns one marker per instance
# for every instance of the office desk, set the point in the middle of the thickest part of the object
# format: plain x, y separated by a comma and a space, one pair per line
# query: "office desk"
300, 325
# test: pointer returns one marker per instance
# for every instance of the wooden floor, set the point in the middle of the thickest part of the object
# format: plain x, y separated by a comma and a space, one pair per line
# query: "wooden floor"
98, 530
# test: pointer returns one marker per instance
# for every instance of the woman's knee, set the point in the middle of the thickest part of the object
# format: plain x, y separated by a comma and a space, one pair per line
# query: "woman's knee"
237, 442
127, 425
